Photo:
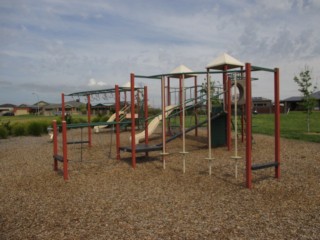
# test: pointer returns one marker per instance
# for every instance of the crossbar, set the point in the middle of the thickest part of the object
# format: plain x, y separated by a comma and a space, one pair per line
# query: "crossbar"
58, 158
264, 165
77, 142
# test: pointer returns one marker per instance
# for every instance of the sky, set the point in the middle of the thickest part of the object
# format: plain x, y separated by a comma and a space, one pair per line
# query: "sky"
52, 46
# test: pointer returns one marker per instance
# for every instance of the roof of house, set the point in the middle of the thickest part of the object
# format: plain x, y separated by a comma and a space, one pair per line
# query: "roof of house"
316, 95
7, 105
256, 99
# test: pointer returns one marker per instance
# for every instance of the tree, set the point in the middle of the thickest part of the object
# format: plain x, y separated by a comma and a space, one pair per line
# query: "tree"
304, 82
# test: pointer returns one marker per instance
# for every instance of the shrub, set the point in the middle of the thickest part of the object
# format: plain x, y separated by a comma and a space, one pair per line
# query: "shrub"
35, 129
3, 132
7, 126
19, 129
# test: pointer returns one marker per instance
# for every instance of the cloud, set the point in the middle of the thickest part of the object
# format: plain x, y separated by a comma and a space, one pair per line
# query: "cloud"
55, 46
95, 83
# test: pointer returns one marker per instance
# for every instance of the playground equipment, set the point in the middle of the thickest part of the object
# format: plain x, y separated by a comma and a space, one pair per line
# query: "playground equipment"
153, 125
236, 156
122, 114
223, 65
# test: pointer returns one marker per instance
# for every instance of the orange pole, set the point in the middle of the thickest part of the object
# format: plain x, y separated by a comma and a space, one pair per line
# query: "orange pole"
248, 127
62, 107
146, 123
117, 96
133, 124
65, 150
277, 121
55, 145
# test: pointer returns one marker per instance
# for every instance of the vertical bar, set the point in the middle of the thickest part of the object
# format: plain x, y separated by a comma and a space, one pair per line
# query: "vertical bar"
242, 112
63, 111
146, 115
65, 150
163, 106
224, 79
133, 123
183, 125
55, 144
242, 123
195, 103
248, 127
168, 103
229, 102
277, 121
117, 100
168, 92
89, 121
180, 101
209, 121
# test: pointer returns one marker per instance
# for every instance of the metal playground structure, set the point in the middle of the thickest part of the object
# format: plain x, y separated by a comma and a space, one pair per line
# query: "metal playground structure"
236, 76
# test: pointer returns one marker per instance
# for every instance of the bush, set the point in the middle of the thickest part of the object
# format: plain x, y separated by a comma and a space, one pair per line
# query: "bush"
35, 129
3, 132
7, 126
19, 129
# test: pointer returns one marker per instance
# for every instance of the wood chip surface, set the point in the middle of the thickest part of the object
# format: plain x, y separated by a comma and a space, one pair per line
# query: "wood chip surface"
106, 199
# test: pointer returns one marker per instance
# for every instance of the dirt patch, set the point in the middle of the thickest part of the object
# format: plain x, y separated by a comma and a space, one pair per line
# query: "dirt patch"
107, 199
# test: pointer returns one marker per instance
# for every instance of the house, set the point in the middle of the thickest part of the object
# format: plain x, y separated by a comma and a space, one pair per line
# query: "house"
294, 103
6, 108
262, 105
71, 107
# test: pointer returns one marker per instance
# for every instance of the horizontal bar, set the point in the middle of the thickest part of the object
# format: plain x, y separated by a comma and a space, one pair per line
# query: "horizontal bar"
264, 165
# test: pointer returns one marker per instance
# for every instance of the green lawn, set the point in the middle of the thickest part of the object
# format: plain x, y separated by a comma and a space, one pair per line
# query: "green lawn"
293, 125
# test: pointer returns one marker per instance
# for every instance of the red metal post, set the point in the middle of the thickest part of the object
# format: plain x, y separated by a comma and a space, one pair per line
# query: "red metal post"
180, 102
277, 121
133, 124
117, 100
248, 127
89, 121
242, 113
168, 92
224, 79
163, 106
146, 123
229, 114
195, 104
65, 150
63, 111
242, 123
168, 103
55, 144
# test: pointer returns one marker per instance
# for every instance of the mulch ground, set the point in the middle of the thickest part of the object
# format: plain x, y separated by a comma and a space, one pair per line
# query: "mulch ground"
107, 199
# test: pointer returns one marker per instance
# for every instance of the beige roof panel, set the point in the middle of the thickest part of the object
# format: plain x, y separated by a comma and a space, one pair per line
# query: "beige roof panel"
222, 60
181, 69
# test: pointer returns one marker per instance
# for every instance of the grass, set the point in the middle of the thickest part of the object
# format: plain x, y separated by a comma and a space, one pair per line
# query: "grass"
293, 125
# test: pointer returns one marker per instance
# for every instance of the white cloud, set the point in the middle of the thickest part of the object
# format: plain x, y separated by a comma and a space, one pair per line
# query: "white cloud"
53, 42
95, 83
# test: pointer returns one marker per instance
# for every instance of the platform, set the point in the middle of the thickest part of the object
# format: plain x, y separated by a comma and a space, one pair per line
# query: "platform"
142, 148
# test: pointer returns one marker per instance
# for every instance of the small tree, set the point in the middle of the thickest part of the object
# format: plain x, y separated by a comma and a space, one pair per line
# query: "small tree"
304, 82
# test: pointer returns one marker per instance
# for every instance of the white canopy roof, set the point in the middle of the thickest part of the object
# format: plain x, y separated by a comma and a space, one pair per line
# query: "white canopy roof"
224, 59
182, 69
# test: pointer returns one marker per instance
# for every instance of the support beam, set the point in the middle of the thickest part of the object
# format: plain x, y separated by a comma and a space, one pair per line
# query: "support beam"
117, 100
248, 127
277, 121
133, 123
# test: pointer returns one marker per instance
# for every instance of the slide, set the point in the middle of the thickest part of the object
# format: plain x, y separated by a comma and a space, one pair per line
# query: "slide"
96, 129
154, 124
